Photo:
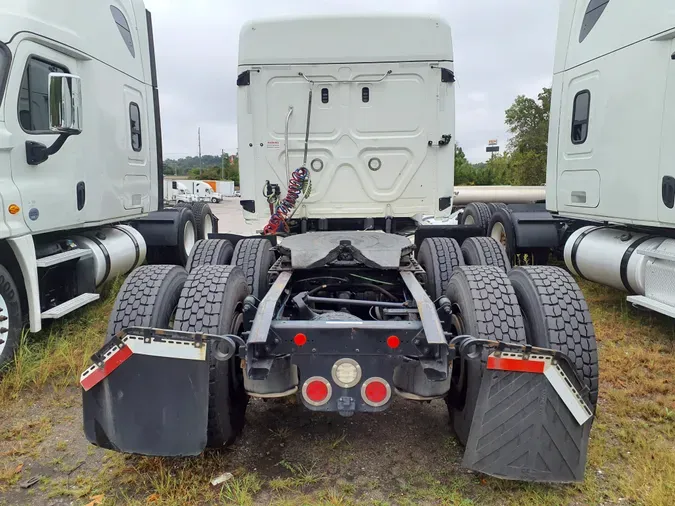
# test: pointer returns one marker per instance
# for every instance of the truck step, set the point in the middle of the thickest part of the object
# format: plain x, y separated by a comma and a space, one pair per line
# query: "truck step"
60, 258
68, 307
654, 305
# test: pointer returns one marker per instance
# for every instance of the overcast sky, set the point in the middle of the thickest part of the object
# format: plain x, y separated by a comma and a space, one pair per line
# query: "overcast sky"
502, 49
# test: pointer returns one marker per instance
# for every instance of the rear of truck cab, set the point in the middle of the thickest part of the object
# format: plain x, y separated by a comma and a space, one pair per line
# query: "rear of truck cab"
381, 138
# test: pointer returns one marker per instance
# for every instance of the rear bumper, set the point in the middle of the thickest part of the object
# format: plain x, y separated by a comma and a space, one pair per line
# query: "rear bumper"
396, 352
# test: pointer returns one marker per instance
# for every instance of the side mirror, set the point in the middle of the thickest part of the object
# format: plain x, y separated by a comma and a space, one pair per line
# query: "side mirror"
65, 104
65, 116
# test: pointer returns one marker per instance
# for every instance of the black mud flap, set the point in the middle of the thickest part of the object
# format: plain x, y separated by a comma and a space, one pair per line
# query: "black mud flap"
148, 395
531, 420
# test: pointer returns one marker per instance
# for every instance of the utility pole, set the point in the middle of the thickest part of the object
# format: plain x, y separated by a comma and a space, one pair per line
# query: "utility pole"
199, 140
222, 161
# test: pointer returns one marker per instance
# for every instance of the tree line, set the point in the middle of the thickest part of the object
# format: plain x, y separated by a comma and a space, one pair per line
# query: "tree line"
524, 161
216, 167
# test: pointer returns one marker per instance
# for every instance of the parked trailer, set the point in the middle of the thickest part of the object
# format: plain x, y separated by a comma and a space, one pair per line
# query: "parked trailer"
225, 188
342, 318
609, 211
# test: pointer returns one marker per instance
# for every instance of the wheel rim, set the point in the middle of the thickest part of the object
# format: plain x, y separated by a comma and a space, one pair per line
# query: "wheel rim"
4, 325
498, 233
214, 200
208, 226
469, 220
189, 237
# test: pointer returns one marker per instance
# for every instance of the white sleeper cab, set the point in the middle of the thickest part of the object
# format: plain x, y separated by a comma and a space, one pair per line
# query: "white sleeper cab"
80, 159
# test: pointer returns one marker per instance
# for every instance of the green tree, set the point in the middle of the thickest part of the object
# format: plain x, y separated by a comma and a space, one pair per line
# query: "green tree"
464, 173
528, 121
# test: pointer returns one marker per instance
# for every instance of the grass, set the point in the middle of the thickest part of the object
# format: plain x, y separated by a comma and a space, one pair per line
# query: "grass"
57, 356
631, 457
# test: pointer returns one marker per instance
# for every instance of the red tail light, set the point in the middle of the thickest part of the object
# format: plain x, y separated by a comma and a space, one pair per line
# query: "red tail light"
393, 342
300, 340
317, 391
376, 392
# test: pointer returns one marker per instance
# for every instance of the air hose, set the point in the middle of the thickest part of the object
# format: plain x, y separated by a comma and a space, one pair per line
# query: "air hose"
297, 186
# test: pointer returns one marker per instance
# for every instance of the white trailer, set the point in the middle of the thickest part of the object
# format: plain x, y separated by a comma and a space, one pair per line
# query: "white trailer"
225, 188
80, 163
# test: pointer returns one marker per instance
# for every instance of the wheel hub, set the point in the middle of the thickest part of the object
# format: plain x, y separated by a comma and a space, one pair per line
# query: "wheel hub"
499, 234
4, 323
208, 226
188, 237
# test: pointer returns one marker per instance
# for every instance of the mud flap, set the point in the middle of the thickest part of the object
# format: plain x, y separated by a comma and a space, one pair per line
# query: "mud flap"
531, 421
148, 395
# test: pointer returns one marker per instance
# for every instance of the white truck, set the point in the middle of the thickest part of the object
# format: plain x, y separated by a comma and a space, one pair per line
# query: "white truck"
203, 191
80, 159
346, 132
176, 191
610, 182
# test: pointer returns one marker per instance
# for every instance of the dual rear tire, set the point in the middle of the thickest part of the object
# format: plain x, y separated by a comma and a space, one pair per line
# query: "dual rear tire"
208, 299
537, 305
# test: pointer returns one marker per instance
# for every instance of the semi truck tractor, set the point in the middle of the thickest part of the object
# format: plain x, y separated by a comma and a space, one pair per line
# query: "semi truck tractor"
610, 188
81, 188
177, 192
346, 139
203, 191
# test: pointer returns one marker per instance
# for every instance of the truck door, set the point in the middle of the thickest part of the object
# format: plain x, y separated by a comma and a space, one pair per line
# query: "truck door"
666, 186
53, 194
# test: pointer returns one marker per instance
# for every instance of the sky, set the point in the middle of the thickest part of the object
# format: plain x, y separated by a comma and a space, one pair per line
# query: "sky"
502, 49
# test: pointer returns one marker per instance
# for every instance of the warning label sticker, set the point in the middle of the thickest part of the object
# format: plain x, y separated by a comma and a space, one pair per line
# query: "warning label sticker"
273, 145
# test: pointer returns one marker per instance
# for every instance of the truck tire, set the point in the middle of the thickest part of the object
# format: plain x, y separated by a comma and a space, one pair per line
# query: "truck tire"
204, 219
186, 230
210, 252
557, 317
148, 298
439, 256
11, 318
476, 213
214, 200
485, 251
485, 305
501, 229
496, 205
255, 257
184, 204
212, 302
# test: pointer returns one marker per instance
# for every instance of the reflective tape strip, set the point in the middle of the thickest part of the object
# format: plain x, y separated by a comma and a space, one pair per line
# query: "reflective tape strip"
542, 364
569, 395
515, 364
168, 348
94, 375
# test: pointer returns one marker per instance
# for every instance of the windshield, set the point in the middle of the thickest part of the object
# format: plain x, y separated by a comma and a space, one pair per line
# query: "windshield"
5, 57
